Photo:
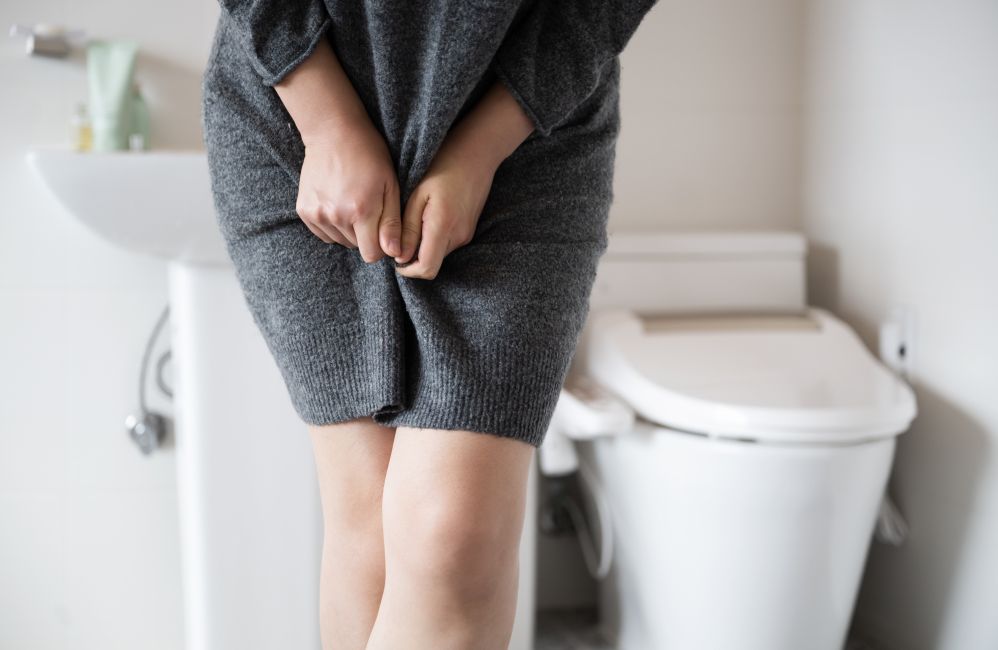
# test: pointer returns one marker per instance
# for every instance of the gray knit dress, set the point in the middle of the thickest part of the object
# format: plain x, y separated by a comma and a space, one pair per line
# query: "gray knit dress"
486, 345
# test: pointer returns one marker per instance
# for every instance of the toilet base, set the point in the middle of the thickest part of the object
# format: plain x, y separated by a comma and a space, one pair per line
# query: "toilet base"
725, 545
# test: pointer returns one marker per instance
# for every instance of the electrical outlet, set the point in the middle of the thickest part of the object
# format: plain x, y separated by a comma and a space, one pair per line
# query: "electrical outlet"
897, 341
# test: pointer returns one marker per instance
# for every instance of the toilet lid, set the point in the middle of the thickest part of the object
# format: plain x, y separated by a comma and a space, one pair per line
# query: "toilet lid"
799, 379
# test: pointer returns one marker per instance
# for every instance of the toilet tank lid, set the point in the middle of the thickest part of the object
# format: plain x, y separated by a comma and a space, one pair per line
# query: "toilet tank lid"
706, 243
804, 379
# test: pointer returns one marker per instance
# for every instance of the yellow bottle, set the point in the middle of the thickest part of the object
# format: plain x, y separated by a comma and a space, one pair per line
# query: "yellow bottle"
83, 133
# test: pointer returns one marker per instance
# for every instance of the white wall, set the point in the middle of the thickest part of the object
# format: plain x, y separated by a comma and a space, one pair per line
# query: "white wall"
901, 199
710, 134
88, 527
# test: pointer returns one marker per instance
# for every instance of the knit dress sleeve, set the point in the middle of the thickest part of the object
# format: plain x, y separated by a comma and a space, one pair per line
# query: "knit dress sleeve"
277, 35
554, 56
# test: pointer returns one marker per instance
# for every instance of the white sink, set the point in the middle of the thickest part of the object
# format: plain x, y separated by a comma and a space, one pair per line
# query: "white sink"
250, 521
158, 203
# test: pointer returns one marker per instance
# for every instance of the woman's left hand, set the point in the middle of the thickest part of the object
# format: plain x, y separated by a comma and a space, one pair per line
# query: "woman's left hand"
442, 212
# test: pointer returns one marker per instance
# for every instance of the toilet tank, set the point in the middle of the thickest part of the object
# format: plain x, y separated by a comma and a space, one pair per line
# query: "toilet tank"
702, 273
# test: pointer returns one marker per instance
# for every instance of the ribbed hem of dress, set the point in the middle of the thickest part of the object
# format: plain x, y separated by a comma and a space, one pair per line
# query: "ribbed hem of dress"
508, 389
333, 378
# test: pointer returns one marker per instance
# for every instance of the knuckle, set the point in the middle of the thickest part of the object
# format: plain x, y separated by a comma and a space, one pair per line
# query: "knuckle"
355, 208
306, 212
320, 215
339, 215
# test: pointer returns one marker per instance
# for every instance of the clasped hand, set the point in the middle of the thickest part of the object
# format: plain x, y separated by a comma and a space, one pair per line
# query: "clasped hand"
349, 195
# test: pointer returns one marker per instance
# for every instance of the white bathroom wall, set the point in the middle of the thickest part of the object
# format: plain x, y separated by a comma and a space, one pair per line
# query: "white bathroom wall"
88, 526
710, 134
901, 202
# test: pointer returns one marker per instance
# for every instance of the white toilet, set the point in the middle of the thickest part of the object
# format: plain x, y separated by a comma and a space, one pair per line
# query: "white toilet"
740, 440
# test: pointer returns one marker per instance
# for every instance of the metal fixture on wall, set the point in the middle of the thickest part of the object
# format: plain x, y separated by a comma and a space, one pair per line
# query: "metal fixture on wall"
48, 40
148, 429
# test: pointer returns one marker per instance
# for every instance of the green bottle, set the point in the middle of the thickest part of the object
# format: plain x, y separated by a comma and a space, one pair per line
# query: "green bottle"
110, 65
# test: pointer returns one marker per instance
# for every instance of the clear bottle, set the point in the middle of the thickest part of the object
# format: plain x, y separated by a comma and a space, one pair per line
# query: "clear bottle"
82, 131
138, 138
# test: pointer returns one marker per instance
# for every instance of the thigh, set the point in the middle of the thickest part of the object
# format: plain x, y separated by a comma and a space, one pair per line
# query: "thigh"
351, 460
442, 480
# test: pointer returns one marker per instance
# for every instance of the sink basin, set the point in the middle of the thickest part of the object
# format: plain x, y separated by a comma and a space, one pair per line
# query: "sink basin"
157, 203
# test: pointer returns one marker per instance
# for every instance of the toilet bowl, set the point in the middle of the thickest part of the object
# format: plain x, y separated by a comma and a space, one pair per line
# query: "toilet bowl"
744, 490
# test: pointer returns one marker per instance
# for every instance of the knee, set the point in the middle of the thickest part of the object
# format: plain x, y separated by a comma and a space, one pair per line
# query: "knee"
450, 543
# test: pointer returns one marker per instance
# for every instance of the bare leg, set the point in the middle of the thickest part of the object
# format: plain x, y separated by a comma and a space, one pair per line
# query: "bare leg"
351, 460
453, 513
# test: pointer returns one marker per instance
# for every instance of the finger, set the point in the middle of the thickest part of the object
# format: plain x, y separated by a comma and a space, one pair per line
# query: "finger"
412, 225
340, 239
311, 217
334, 233
390, 227
319, 232
433, 246
346, 232
318, 220
330, 235
366, 232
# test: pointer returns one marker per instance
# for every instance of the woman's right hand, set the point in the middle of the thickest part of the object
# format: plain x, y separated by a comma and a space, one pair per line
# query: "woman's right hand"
349, 192
348, 185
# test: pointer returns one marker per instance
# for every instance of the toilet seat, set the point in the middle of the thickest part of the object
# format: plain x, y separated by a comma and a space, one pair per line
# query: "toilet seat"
797, 379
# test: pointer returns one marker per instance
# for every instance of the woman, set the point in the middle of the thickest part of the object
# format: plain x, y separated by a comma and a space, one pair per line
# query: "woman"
414, 195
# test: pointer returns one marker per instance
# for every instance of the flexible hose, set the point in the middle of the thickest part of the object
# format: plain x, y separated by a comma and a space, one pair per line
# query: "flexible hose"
145, 357
164, 359
598, 564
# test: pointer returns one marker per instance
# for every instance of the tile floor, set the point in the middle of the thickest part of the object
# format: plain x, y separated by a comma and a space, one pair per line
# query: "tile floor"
570, 629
